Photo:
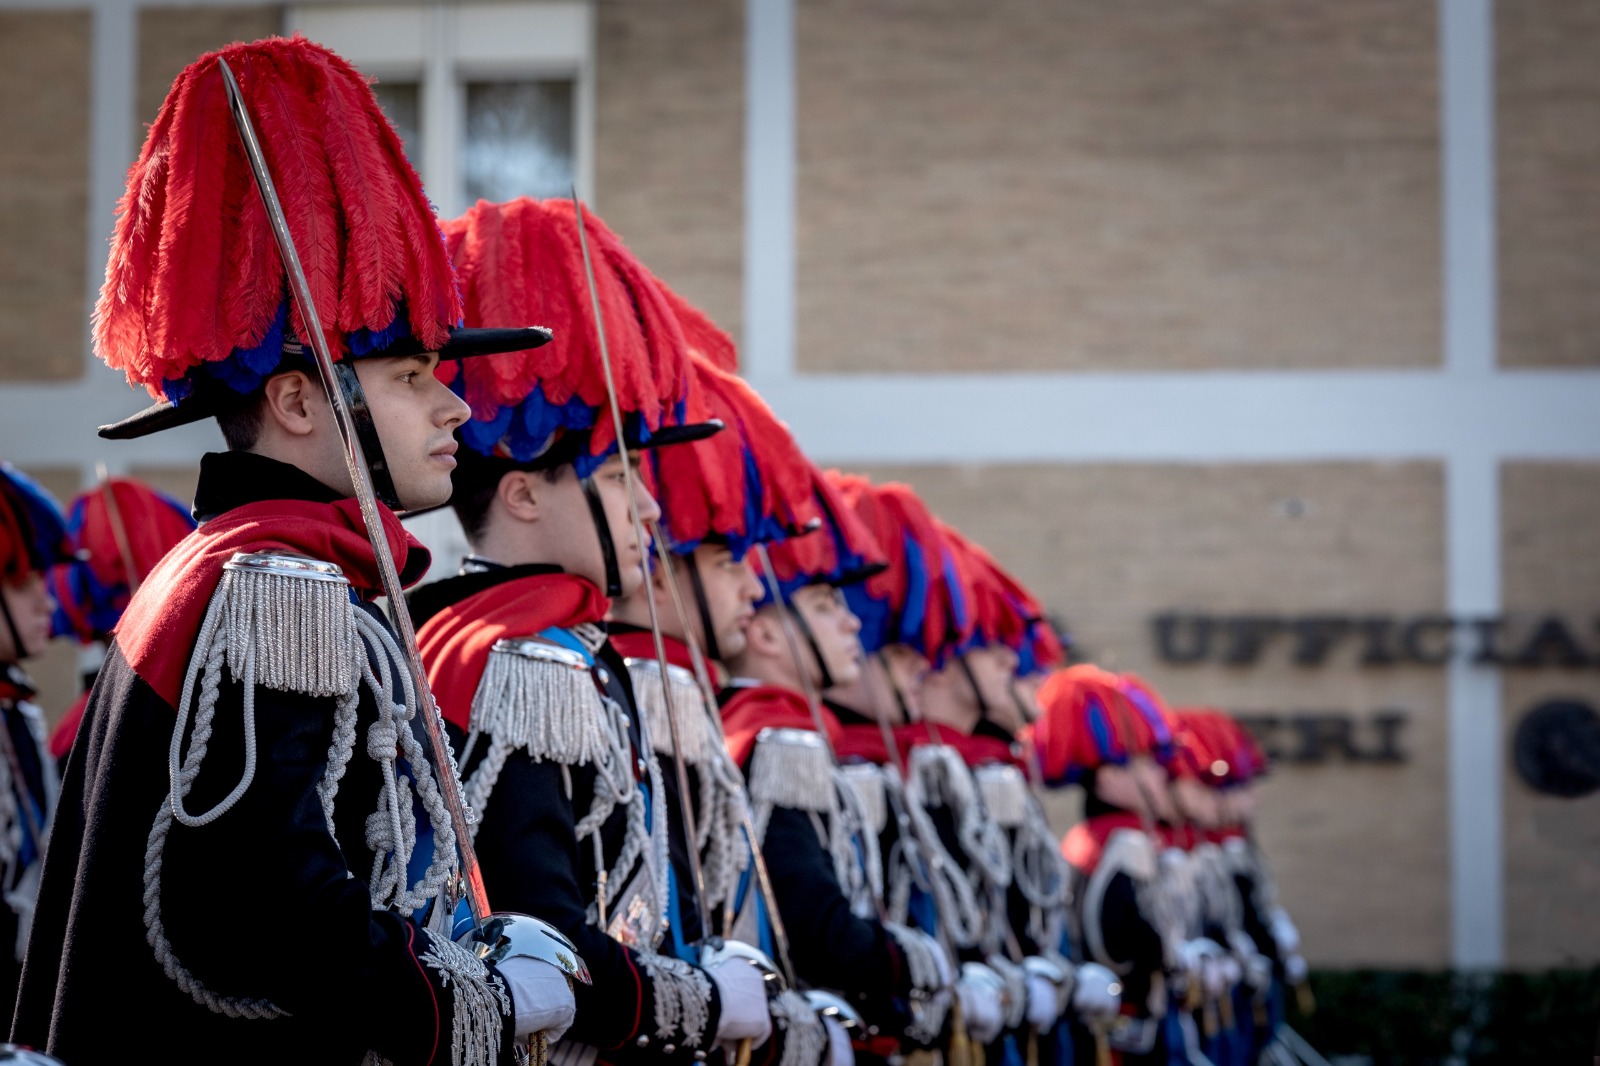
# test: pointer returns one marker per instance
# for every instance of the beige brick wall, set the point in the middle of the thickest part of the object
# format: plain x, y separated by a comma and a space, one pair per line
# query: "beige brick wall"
44, 174
1552, 846
1115, 185
170, 38
669, 166
1360, 850
1547, 131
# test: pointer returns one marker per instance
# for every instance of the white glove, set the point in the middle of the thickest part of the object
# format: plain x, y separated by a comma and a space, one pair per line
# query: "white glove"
979, 989
840, 1053
1098, 993
1193, 953
1295, 969
1284, 932
743, 995
1041, 1003
541, 997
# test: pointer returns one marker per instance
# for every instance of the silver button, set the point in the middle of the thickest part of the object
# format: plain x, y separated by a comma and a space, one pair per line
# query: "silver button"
667, 1049
643, 1041
605, 678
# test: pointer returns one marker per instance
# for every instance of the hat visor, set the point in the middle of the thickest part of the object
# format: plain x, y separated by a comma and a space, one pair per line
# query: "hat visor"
684, 434
202, 404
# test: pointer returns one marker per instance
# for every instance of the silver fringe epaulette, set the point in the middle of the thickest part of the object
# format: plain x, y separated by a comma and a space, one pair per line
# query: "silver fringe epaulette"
791, 768
702, 743
289, 621
541, 698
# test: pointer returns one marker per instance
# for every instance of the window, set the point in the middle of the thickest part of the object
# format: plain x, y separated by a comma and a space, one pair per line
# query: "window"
492, 100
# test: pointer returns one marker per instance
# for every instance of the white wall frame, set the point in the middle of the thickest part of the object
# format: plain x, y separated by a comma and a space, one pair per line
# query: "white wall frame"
442, 46
1470, 415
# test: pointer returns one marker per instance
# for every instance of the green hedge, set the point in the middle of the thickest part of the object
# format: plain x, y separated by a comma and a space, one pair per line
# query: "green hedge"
1399, 1018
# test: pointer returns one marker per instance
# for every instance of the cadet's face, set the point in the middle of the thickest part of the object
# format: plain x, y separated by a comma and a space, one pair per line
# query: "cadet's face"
416, 416
1197, 802
31, 607
993, 668
834, 628
906, 667
731, 589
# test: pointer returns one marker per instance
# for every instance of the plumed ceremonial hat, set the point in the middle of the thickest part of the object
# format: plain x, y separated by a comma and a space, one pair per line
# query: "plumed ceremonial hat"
842, 551
550, 406
33, 532
1089, 718
1003, 611
917, 599
749, 484
196, 307
1224, 752
119, 530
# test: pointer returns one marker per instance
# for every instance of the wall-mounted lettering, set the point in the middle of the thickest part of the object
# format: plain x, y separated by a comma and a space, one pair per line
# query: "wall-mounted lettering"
1186, 638
1316, 737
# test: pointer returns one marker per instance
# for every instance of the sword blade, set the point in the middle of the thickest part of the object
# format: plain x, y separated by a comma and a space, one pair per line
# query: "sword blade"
361, 479
681, 773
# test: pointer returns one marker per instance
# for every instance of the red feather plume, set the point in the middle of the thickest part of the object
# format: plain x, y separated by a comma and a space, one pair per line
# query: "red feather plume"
193, 272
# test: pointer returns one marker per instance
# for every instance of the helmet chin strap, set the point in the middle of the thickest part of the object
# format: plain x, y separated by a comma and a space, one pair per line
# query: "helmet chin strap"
825, 679
602, 529
367, 432
894, 687
708, 631
984, 714
1024, 715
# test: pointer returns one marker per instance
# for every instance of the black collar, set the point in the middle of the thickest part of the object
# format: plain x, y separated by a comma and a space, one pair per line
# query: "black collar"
847, 715
233, 479
435, 596
986, 728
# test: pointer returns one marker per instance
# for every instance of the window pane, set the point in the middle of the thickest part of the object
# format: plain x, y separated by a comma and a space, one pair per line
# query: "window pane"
519, 139
402, 103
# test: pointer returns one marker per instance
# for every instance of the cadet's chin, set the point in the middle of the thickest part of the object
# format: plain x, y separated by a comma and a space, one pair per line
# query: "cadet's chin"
425, 493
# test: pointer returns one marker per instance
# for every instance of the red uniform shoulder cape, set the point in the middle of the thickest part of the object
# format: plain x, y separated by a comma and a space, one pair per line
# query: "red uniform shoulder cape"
455, 642
1086, 841
639, 644
158, 631
770, 707
66, 730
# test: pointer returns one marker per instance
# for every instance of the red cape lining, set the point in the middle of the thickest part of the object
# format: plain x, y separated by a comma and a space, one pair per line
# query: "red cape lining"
770, 707
455, 642
158, 630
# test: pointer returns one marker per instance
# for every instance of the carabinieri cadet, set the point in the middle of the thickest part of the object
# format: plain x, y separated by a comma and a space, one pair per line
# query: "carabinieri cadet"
820, 845
1010, 648
573, 806
119, 531
938, 820
33, 540
1237, 762
1127, 910
255, 858
719, 497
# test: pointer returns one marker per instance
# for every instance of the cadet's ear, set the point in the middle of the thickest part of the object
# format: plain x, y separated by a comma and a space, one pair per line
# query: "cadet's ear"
289, 401
519, 492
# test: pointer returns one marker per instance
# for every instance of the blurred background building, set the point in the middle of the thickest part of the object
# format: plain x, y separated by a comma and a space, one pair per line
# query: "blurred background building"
1263, 339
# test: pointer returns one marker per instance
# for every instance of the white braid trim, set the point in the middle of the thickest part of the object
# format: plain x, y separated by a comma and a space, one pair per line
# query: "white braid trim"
938, 777
682, 998
866, 781
286, 622
481, 1002
919, 949
805, 1038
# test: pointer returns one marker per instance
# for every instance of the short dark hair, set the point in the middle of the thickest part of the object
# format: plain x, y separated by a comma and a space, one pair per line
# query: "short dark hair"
241, 424
476, 481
